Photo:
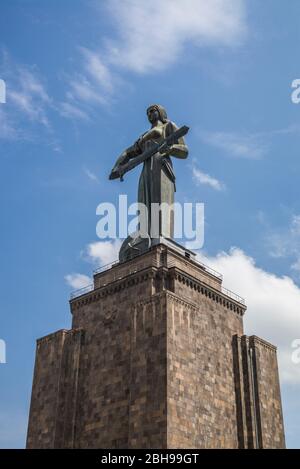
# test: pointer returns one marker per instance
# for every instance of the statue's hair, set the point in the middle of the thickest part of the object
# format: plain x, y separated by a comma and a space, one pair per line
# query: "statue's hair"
161, 110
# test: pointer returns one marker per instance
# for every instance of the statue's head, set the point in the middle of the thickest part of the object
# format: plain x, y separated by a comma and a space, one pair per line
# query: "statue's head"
157, 112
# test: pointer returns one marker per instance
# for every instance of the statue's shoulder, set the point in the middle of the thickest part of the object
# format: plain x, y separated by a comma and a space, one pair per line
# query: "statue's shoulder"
170, 127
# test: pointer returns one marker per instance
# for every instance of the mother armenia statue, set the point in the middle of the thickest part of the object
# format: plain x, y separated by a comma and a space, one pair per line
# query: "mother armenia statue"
157, 180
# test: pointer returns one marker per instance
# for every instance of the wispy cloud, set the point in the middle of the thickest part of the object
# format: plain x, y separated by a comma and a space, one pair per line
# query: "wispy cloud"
237, 145
206, 179
245, 145
29, 96
93, 86
72, 111
27, 100
285, 242
81, 89
149, 37
92, 176
97, 69
152, 35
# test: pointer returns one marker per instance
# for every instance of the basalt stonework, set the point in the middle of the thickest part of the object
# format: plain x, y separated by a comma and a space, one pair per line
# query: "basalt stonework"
156, 358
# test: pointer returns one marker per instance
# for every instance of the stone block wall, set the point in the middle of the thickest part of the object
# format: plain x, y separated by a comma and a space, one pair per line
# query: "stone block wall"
156, 358
54, 390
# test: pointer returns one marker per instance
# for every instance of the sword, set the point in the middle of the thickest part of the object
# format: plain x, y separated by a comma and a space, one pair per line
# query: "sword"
156, 148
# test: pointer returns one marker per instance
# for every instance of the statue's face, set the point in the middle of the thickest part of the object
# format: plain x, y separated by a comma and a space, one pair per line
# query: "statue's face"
153, 115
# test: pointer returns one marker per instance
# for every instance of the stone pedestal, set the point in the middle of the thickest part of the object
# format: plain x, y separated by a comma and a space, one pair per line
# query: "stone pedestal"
156, 358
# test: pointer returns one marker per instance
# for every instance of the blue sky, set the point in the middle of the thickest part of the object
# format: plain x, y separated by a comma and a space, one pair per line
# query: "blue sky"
79, 77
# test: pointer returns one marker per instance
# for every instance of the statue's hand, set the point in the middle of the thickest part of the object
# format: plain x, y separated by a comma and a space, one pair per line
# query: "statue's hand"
165, 149
115, 172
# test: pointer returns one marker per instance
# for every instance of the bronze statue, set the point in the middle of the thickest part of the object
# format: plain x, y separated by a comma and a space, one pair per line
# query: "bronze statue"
157, 180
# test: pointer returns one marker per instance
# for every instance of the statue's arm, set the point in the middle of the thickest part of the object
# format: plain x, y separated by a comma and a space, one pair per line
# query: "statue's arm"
127, 155
180, 149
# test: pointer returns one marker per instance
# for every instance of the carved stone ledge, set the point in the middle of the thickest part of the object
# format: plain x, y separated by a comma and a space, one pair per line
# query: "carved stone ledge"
253, 340
208, 291
115, 286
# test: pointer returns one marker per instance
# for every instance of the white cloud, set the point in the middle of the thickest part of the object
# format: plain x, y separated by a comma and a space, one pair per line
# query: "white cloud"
25, 103
82, 89
247, 145
103, 252
273, 305
94, 86
292, 129
91, 175
33, 85
237, 145
203, 178
71, 111
97, 69
78, 281
152, 34
27, 99
29, 96
286, 241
